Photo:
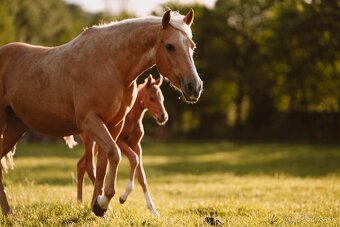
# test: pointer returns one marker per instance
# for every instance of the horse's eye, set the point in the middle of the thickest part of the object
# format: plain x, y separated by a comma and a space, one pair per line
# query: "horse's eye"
170, 47
152, 99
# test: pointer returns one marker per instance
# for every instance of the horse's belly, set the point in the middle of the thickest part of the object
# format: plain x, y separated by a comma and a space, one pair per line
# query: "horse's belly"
54, 126
57, 120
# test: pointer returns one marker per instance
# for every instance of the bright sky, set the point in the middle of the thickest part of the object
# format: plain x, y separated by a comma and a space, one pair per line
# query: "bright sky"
139, 7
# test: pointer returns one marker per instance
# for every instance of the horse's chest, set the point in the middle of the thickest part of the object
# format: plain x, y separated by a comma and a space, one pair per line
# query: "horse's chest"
122, 103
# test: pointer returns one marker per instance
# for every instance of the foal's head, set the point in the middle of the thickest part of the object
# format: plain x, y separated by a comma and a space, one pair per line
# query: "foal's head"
152, 99
174, 54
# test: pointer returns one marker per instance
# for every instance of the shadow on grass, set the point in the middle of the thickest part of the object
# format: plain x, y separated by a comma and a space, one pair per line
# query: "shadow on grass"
304, 160
306, 167
301, 160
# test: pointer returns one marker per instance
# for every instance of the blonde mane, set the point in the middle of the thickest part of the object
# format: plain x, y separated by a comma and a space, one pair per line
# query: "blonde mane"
176, 22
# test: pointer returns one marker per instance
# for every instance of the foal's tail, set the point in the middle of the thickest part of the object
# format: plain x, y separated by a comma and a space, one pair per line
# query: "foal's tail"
7, 162
70, 142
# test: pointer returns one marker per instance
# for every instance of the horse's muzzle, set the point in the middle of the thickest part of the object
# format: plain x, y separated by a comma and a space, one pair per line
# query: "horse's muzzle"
192, 90
162, 119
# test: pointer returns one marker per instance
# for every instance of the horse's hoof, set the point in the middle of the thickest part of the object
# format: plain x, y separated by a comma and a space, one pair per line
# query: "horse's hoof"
121, 200
97, 210
155, 213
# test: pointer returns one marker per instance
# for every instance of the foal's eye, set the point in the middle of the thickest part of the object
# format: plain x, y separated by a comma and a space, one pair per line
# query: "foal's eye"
170, 47
152, 99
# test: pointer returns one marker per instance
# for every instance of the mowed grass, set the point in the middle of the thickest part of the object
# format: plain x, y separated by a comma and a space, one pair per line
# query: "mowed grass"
238, 184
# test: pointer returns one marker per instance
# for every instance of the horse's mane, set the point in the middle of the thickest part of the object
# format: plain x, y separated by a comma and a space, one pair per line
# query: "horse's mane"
176, 21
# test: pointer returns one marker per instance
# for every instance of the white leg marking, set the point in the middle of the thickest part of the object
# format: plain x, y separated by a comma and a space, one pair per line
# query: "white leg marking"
103, 201
150, 204
129, 188
70, 142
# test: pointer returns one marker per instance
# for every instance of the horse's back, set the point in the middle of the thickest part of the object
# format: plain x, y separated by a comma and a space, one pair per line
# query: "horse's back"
17, 57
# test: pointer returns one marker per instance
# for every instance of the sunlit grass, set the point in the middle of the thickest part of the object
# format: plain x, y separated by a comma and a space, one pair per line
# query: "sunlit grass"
237, 184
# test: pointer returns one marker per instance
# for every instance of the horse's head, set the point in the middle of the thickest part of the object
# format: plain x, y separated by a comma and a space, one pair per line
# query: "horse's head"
152, 98
174, 54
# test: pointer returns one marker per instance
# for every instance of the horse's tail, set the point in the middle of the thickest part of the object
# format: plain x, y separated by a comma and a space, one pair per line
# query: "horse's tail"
7, 162
70, 142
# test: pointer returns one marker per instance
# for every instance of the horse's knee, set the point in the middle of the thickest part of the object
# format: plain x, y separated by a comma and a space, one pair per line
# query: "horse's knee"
115, 155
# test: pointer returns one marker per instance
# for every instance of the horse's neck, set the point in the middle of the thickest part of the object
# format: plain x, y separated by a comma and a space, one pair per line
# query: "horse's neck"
131, 47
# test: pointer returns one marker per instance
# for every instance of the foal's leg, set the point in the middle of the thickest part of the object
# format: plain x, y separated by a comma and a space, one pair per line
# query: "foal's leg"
85, 164
142, 181
95, 128
13, 129
134, 160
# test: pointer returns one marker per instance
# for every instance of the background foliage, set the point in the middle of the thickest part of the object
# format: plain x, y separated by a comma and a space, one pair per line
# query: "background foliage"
270, 68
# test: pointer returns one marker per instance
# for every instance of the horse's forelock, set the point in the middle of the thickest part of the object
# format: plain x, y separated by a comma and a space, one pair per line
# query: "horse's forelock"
177, 21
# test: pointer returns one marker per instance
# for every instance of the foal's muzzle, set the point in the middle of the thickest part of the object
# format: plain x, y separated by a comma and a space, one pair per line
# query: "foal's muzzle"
162, 118
191, 90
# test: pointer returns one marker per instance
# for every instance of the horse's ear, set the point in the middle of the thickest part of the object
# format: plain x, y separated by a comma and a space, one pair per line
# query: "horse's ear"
159, 81
149, 81
166, 19
189, 18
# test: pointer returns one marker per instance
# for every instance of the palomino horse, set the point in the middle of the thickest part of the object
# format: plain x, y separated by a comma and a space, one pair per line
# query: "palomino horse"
150, 98
87, 86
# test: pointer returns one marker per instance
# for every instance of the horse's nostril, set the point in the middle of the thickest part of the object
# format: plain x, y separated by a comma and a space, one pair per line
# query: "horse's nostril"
200, 87
190, 87
164, 117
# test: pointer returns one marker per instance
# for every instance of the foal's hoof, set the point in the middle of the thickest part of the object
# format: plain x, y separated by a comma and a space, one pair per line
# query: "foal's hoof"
121, 200
97, 210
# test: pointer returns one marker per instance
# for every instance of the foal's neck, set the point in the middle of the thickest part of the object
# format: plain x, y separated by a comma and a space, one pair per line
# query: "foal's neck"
138, 110
132, 47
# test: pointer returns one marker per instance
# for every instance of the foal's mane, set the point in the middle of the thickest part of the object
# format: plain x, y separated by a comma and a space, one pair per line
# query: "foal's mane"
176, 22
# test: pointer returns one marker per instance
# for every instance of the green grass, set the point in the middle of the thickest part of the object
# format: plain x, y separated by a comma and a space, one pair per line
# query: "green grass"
238, 184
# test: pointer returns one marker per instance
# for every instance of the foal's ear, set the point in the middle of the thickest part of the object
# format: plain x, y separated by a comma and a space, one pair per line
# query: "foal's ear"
166, 19
149, 81
189, 18
159, 81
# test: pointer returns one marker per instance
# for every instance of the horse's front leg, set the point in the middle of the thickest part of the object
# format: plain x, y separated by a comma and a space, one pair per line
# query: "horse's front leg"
95, 128
134, 161
142, 180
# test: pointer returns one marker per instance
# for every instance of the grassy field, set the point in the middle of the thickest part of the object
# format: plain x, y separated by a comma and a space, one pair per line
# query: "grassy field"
238, 184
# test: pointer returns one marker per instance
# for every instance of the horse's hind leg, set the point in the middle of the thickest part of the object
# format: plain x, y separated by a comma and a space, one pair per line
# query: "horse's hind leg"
80, 178
13, 129
89, 153
85, 164
142, 181
134, 160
